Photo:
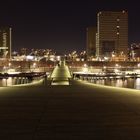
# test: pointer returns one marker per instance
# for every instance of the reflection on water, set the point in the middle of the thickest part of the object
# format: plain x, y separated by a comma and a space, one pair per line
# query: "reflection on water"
127, 83
14, 81
137, 83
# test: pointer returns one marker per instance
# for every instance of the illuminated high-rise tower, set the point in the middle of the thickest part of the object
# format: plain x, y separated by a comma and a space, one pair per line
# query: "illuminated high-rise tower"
91, 41
5, 42
112, 33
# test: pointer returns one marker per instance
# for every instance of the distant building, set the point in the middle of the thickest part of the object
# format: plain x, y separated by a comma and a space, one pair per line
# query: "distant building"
112, 34
135, 50
23, 51
91, 41
5, 42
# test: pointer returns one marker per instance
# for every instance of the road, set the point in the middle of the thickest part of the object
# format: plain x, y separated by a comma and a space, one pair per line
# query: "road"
61, 74
80, 111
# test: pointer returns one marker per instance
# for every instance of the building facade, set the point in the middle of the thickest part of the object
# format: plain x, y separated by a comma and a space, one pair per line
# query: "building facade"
112, 34
135, 51
5, 42
91, 41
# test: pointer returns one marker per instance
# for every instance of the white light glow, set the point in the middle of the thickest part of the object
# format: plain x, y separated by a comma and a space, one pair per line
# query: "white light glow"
29, 57
85, 70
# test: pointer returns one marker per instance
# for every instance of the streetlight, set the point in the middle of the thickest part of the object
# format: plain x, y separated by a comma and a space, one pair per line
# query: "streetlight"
4, 69
117, 65
138, 65
34, 66
104, 68
9, 64
9, 67
85, 68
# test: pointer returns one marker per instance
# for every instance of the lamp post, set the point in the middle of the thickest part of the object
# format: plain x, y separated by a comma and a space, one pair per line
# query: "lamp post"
34, 66
85, 68
9, 66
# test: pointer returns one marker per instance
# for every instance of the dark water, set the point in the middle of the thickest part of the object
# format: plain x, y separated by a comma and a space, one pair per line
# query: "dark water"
127, 83
14, 81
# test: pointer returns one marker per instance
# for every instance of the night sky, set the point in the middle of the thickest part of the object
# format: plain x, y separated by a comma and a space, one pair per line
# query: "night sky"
61, 25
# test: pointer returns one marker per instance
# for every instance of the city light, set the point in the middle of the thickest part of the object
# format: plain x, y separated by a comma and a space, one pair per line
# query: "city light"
9, 64
85, 68
29, 57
